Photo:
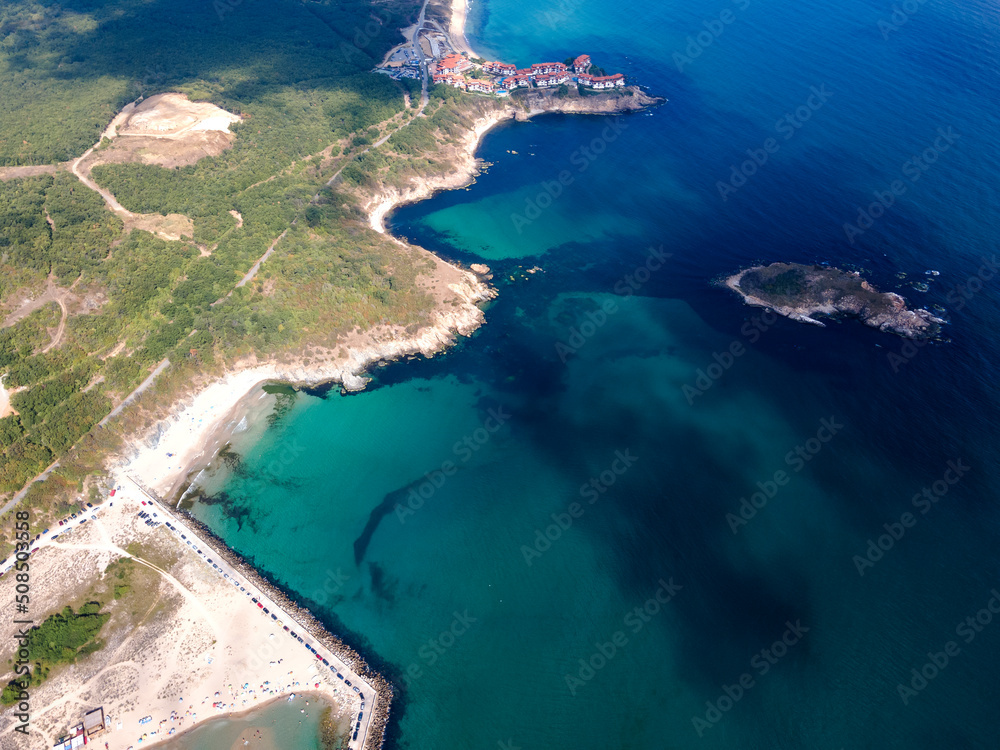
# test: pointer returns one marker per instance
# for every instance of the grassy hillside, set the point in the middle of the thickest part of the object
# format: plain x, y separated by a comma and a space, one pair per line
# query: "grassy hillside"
298, 74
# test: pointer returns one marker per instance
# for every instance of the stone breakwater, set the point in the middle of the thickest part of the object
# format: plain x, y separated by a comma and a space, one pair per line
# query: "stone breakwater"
303, 618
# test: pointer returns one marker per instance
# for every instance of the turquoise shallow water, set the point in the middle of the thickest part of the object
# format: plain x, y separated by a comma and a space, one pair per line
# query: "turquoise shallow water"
280, 725
500, 511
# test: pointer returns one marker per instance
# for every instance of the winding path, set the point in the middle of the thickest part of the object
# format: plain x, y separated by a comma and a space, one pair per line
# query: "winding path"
60, 329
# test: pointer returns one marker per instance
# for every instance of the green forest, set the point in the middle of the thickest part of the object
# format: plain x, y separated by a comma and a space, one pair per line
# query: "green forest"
310, 108
303, 85
61, 639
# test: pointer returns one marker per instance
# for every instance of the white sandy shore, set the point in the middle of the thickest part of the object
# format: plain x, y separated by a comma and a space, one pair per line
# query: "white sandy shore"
203, 649
456, 29
163, 459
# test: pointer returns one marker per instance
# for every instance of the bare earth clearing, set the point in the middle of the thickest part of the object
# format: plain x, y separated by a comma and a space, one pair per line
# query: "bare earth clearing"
70, 303
166, 130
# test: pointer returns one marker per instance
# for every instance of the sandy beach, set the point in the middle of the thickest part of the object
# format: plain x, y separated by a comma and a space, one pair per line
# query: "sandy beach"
459, 15
187, 646
196, 427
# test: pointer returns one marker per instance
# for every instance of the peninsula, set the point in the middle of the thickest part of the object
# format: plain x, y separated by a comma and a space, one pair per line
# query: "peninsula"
182, 236
802, 292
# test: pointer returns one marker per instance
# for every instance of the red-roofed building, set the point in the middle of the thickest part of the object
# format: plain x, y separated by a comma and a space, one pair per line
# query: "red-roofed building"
551, 79
581, 64
601, 82
550, 67
450, 79
499, 68
453, 64
484, 87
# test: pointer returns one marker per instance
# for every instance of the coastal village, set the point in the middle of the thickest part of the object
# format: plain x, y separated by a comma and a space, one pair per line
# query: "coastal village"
500, 79
201, 633
463, 71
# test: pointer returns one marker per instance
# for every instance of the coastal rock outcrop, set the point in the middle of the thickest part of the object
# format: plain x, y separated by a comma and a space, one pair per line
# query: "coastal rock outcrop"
802, 292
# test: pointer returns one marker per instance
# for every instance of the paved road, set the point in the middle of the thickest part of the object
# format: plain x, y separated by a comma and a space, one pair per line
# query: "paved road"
420, 54
69, 524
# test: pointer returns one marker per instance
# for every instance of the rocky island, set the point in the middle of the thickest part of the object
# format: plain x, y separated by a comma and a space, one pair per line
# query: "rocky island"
801, 292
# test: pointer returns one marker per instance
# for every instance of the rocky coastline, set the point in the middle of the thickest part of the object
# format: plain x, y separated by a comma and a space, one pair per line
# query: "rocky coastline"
521, 108
801, 292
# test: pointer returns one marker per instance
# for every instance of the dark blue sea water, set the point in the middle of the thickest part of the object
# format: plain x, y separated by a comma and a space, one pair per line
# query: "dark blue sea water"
816, 508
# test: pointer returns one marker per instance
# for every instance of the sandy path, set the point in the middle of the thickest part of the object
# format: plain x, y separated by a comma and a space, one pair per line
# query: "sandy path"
18, 173
112, 202
109, 546
137, 392
52, 293
256, 266
60, 329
